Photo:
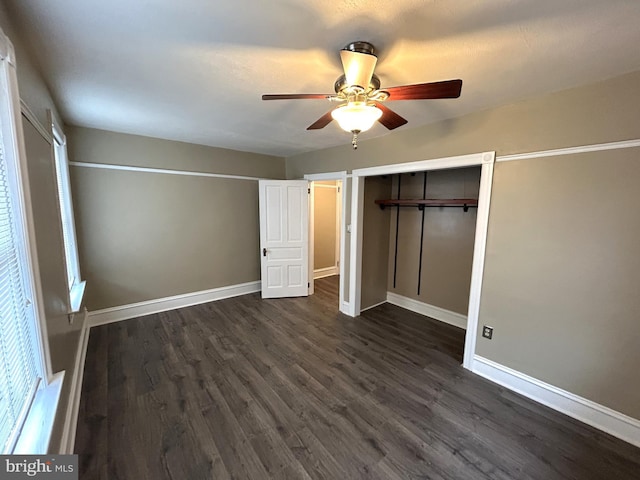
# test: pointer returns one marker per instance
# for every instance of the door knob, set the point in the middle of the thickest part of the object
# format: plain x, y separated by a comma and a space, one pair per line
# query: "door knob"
264, 252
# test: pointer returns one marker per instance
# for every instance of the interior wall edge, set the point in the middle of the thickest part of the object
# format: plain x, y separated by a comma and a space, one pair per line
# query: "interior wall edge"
598, 416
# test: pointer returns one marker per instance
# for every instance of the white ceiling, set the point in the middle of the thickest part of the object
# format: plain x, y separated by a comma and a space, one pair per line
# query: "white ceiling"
194, 70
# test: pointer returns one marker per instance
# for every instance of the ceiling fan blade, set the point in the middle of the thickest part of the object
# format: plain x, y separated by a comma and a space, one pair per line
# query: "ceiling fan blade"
425, 91
358, 67
389, 118
322, 122
298, 96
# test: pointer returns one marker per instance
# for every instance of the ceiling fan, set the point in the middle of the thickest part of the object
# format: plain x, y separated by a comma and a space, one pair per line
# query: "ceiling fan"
361, 96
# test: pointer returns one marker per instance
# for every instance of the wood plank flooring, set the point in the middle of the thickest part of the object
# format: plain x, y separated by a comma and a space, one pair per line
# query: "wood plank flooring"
246, 388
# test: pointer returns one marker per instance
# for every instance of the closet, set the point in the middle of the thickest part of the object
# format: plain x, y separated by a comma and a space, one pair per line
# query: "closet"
418, 238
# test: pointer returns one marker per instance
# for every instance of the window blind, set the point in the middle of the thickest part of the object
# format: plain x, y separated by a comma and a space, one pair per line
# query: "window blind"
18, 366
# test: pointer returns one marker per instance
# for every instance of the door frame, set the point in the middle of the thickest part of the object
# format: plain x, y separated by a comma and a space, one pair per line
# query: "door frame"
486, 161
342, 176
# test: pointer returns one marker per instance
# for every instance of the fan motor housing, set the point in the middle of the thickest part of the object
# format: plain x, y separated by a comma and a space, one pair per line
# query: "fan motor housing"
361, 47
341, 83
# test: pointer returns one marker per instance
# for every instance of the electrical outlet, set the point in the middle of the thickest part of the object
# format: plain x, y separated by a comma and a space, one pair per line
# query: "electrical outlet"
487, 332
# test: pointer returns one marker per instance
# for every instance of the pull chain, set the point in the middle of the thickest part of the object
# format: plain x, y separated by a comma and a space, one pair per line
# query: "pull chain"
354, 142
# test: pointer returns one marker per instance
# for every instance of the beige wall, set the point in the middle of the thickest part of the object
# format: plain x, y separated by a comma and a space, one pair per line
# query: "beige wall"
101, 146
375, 245
562, 274
579, 353
63, 338
325, 211
447, 246
144, 236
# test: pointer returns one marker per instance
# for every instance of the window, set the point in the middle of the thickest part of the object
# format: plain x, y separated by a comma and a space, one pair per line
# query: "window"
18, 341
21, 358
76, 285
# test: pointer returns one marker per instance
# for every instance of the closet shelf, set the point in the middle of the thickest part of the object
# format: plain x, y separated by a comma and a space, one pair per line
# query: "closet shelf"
465, 203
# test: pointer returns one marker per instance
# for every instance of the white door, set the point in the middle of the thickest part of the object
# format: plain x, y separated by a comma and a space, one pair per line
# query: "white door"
284, 238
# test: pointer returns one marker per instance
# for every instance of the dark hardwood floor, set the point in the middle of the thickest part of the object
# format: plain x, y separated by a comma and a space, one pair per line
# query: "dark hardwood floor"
255, 389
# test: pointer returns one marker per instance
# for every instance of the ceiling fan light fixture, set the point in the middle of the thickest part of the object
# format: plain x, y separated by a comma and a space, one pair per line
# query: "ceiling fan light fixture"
356, 116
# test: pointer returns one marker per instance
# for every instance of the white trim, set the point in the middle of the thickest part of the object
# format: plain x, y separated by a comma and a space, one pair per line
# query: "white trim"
373, 306
459, 161
338, 245
355, 267
325, 272
603, 418
343, 242
319, 177
76, 294
483, 159
477, 266
125, 312
33, 120
68, 439
342, 176
76, 286
167, 171
35, 435
431, 311
312, 237
570, 150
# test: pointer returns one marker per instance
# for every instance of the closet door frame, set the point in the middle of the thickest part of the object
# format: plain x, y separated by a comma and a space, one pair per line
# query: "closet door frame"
486, 161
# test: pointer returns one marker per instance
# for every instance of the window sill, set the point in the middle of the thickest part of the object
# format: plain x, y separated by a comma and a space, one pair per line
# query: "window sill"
36, 431
75, 296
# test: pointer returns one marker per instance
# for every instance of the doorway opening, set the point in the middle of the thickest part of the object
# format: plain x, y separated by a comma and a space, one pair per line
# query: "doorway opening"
418, 237
327, 232
485, 161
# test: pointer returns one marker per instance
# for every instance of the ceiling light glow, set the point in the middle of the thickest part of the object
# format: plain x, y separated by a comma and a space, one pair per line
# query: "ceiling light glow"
356, 117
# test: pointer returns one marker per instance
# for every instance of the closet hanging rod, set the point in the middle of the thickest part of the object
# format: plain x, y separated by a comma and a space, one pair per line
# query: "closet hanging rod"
464, 203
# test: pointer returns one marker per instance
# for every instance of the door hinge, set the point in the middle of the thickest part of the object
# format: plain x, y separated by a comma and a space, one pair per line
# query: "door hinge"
308, 284
309, 190
338, 189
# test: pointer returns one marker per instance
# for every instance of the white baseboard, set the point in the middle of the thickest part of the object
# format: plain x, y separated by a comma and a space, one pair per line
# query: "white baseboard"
325, 272
446, 316
68, 440
125, 312
603, 418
